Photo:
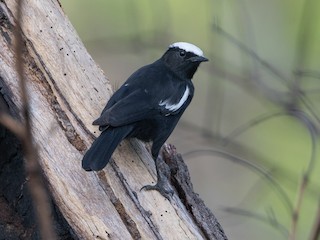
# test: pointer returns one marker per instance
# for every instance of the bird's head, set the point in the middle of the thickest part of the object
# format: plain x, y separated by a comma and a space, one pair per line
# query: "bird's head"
183, 58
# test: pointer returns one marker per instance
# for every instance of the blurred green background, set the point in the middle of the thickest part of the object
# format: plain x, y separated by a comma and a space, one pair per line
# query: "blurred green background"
262, 81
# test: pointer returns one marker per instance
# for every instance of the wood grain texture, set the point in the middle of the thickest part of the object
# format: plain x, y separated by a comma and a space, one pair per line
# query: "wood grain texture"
67, 91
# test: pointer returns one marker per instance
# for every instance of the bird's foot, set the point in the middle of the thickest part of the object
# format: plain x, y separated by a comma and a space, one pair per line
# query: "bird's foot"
162, 187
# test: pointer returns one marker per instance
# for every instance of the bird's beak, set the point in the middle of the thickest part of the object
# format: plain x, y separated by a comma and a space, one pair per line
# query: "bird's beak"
199, 59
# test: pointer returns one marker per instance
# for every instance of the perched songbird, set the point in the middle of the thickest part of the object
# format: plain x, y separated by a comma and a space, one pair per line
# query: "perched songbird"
147, 106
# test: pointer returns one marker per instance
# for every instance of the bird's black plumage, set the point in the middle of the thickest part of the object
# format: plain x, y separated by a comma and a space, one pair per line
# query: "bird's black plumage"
148, 105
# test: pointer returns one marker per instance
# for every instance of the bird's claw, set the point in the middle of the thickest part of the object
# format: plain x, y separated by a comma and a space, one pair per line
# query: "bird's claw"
163, 188
163, 185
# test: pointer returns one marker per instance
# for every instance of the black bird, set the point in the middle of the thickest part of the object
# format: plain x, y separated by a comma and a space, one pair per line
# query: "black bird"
147, 106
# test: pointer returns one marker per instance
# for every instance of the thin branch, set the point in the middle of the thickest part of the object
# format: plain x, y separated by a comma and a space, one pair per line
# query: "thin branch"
301, 116
307, 73
270, 220
315, 232
312, 91
309, 11
36, 182
251, 53
13, 125
277, 187
304, 119
252, 123
308, 104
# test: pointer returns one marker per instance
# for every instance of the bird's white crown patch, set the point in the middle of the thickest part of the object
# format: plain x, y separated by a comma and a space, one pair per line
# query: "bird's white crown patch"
188, 47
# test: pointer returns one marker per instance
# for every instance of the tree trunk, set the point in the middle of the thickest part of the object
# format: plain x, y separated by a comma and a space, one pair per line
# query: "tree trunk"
67, 91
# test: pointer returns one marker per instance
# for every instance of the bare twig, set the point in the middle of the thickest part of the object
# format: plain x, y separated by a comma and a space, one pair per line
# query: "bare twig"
309, 106
307, 73
315, 232
301, 116
270, 220
277, 187
13, 125
33, 169
252, 123
297, 99
304, 119
304, 36
252, 53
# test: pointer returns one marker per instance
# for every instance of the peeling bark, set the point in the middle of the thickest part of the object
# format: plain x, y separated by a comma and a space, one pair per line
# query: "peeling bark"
180, 179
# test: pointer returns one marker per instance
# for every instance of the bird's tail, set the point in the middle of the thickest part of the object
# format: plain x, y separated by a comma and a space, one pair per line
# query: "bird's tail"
102, 148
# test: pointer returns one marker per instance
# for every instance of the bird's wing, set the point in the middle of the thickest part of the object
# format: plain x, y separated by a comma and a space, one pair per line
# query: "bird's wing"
149, 91
129, 108
177, 100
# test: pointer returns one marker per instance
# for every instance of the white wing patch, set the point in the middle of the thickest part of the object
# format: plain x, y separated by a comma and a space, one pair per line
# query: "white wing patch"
175, 106
188, 47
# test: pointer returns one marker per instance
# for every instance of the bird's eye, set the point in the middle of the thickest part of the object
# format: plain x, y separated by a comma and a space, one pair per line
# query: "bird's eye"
182, 53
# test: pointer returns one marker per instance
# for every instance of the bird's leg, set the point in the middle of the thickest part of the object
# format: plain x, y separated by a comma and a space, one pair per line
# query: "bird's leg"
163, 174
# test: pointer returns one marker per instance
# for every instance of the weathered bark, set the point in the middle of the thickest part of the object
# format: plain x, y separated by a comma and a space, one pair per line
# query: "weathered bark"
67, 91
17, 220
